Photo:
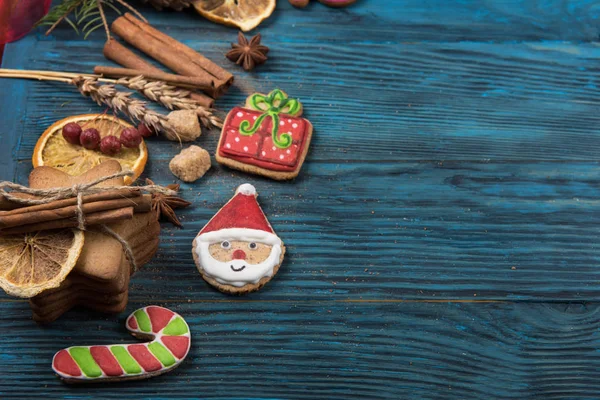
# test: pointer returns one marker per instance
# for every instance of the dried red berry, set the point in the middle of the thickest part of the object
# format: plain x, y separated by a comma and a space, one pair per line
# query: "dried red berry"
71, 132
144, 130
110, 145
130, 137
90, 139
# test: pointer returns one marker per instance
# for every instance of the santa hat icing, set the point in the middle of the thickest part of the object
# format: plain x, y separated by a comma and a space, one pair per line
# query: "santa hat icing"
240, 219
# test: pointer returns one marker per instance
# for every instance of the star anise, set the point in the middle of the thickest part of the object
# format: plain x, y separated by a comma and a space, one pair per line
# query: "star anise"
248, 54
163, 205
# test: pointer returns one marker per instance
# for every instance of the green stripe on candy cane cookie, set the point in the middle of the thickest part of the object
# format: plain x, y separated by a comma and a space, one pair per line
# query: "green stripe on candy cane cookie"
170, 345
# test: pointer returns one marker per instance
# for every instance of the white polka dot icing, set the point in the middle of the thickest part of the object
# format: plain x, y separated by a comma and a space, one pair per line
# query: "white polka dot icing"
259, 146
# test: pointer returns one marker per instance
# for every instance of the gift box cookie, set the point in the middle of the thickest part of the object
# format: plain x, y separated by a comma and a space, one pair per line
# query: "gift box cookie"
266, 137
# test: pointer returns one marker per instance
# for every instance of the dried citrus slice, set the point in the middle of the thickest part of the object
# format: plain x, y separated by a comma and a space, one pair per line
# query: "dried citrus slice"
53, 150
33, 262
245, 14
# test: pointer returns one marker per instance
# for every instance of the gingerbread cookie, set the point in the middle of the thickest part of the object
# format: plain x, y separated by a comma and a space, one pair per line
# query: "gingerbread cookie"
170, 345
237, 251
266, 137
102, 267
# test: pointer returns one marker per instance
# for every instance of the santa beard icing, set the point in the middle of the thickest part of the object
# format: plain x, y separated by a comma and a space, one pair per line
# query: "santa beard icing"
237, 272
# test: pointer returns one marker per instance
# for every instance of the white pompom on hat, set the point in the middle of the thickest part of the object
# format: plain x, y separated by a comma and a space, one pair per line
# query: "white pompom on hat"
246, 189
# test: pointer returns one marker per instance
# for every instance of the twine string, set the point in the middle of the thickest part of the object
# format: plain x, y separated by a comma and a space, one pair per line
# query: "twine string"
45, 196
126, 248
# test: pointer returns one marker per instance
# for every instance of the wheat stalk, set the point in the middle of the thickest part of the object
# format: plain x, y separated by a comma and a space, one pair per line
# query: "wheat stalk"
171, 97
122, 102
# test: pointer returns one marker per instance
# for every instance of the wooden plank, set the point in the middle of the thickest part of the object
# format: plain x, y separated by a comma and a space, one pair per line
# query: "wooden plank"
466, 170
333, 350
426, 101
13, 108
452, 230
408, 20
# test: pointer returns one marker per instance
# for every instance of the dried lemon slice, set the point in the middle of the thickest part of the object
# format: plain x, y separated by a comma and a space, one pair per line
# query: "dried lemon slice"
33, 262
53, 150
245, 14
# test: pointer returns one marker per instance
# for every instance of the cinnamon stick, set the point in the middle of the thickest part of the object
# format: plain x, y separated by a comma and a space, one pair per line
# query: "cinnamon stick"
115, 51
102, 217
156, 49
18, 208
6, 204
140, 204
163, 52
187, 82
220, 73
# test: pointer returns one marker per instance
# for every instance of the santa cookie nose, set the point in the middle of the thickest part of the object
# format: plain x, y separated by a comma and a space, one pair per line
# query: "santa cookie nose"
239, 255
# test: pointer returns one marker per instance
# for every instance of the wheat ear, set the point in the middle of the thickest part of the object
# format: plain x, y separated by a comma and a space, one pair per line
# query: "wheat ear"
124, 103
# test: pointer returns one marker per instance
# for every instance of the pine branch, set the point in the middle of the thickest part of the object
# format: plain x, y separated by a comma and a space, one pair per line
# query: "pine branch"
58, 13
85, 15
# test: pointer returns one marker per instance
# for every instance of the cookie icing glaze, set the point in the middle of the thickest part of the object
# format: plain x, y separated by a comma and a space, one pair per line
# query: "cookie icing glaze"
235, 232
222, 271
169, 347
268, 134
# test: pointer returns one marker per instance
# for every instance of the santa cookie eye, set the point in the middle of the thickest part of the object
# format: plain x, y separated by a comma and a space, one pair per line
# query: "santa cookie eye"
225, 244
252, 246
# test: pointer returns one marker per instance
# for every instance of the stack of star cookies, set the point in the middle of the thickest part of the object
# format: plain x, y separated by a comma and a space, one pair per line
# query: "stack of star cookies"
100, 278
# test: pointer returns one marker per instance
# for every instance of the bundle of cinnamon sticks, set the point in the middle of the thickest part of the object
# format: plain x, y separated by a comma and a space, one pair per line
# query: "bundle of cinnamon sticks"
194, 70
100, 208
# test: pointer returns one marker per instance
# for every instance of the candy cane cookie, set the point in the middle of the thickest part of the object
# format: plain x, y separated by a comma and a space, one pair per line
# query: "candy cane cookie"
170, 345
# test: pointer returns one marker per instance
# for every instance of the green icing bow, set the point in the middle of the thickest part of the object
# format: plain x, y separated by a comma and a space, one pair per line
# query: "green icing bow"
275, 103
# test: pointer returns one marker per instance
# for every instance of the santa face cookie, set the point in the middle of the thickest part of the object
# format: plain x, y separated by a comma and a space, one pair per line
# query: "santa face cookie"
238, 252
266, 137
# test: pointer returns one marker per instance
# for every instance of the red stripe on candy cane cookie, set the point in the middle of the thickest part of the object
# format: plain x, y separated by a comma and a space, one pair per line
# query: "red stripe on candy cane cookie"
106, 361
132, 323
64, 363
146, 360
178, 345
159, 317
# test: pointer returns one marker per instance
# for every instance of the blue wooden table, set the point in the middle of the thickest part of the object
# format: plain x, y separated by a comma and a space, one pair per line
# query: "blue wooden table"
442, 236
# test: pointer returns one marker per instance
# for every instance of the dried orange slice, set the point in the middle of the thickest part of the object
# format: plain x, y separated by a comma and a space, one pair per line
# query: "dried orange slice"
33, 262
53, 150
245, 14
